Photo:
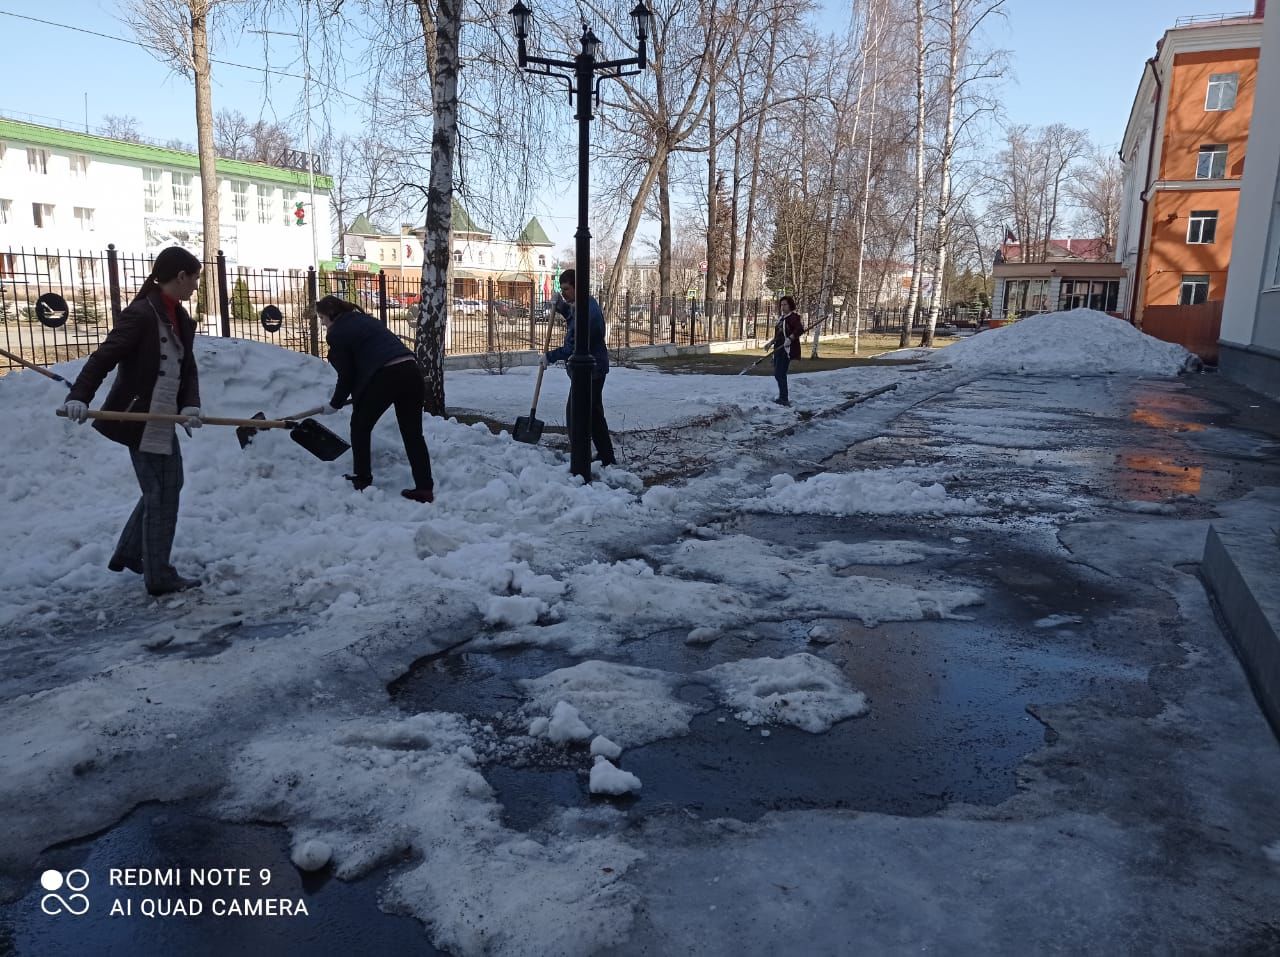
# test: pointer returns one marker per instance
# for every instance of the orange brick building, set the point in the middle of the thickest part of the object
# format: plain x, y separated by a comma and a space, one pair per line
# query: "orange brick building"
1184, 154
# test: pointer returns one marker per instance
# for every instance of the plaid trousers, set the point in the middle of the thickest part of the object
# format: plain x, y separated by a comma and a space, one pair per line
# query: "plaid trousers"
148, 535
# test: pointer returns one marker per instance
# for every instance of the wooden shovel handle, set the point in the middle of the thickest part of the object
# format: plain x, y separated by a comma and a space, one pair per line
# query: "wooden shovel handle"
181, 419
34, 368
546, 347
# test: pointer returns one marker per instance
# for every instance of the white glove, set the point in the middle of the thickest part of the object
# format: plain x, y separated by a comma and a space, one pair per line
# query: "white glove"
76, 411
786, 343
192, 412
328, 409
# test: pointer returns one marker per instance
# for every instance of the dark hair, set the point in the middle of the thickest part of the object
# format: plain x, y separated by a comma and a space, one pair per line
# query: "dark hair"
171, 261
569, 278
332, 307
790, 300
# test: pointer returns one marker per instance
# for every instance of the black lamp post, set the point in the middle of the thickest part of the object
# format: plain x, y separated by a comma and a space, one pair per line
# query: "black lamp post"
583, 83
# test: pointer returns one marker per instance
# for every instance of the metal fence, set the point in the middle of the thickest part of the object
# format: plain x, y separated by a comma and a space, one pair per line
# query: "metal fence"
275, 306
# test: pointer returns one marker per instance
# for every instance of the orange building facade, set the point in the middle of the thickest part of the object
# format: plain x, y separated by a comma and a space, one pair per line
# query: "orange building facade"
1190, 125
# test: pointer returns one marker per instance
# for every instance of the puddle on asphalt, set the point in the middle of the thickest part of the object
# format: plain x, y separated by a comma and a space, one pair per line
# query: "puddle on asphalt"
343, 917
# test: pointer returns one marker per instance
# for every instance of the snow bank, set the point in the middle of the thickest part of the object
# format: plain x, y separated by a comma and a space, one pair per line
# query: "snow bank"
1062, 343
876, 492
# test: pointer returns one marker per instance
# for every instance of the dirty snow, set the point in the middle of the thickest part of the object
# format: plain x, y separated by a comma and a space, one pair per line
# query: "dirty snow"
876, 492
803, 691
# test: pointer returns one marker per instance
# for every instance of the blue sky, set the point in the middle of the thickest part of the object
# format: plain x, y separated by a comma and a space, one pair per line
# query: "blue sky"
1074, 61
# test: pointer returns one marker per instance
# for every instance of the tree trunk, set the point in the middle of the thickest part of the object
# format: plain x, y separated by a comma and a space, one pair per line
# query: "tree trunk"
210, 211
713, 207
433, 312
866, 184
732, 276
664, 241
758, 139
917, 258
944, 189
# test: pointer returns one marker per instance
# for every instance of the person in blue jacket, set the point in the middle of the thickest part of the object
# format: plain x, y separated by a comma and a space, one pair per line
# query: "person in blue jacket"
376, 371
599, 349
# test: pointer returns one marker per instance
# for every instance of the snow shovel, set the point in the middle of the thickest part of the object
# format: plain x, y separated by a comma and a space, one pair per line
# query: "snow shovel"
529, 427
245, 434
769, 354
308, 433
34, 368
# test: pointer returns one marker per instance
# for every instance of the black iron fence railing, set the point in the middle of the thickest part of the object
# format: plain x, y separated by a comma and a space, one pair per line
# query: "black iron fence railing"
275, 306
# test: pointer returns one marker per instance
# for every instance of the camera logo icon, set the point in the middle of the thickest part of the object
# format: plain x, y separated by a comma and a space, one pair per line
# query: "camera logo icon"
75, 902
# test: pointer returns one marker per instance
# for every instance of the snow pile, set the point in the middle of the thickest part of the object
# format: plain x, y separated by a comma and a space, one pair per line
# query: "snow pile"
876, 492
1063, 343
607, 778
801, 690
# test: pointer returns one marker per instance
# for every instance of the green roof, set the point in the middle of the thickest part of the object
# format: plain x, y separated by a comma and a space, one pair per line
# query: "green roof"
362, 227
463, 223
145, 153
533, 235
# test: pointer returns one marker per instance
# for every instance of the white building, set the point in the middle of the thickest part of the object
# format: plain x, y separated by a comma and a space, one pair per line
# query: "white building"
1249, 344
61, 190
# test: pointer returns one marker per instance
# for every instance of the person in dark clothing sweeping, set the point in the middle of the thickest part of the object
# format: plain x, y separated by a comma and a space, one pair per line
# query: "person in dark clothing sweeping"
598, 347
150, 347
376, 372
785, 345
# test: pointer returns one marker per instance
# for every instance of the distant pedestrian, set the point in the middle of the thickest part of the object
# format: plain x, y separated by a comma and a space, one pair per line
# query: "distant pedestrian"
376, 372
151, 347
599, 350
785, 345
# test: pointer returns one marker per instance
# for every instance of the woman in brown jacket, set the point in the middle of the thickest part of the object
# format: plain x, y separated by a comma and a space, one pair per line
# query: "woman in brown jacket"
150, 347
785, 345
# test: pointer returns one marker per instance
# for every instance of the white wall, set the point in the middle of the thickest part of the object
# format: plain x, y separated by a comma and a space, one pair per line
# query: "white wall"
1251, 312
113, 188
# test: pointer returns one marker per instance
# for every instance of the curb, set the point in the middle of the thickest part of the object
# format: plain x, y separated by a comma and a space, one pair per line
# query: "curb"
1242, 569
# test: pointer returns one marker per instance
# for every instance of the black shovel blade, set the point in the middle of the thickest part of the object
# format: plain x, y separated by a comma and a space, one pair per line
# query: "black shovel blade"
245, 434
528, 430
318, 440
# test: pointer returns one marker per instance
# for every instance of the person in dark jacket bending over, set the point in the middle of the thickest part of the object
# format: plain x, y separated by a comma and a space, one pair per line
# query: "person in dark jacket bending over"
150, 347
785, 345
597, 346
376, 371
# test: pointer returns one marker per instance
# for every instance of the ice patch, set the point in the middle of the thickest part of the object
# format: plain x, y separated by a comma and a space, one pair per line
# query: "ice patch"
875, 492
801, 690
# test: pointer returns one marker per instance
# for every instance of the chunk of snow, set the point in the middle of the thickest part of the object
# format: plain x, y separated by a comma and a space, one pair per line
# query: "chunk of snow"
566, 725
604, 747
606, 778
311, 855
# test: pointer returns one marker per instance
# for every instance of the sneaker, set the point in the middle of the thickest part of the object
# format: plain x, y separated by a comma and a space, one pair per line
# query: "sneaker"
121, 564
359, 482
786, 402
175, 584
605, 463
424, 495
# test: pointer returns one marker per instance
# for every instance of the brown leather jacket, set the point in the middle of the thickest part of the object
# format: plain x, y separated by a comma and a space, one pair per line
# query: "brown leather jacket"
132, 347
789, 325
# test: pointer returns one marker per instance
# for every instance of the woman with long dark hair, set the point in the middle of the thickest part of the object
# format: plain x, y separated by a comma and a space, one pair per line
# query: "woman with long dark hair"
376, 372
151, 348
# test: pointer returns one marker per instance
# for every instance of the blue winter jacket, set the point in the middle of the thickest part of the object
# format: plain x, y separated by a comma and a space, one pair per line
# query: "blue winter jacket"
596, 344
359, 345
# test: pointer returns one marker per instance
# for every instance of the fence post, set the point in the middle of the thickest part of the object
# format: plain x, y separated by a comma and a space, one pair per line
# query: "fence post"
113, 281
382, 297
533, 316
626, 322
224, 296
671, 314
311, 310
491, 341
653, 317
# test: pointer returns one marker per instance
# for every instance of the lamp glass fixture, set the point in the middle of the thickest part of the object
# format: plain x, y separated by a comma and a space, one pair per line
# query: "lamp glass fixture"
640, 20
520, 15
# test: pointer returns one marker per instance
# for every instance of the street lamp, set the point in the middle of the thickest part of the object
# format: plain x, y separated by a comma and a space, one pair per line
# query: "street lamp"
584, 84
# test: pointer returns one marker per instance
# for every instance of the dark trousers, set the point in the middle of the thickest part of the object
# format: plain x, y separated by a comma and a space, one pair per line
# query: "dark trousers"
599, 427
399, 385
781, 362
148, 534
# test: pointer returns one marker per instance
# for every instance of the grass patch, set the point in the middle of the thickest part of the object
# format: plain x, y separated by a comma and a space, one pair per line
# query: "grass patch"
833, 354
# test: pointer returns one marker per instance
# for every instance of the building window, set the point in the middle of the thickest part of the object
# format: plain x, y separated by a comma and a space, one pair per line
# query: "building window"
6, 208
84, 219
1202, 226
181, 183
1099, 294
79, 164
1212, 163
457, 255
1195, 290
37, 161
42, 215
287, 201
264, 205
542, 260
152, 190
240, 200
1222, 91
1026, 296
